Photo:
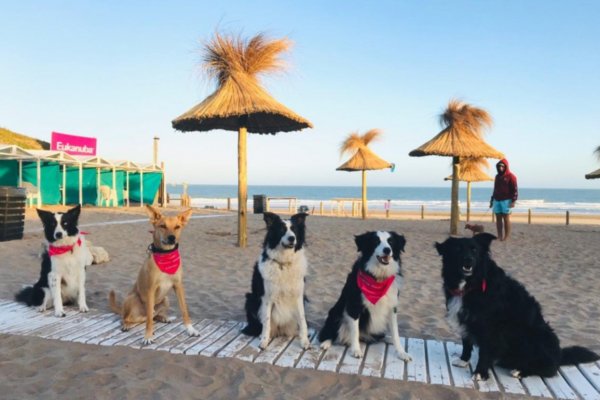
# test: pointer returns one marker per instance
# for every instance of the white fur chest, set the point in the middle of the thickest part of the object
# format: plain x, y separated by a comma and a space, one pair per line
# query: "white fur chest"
454, 308
70, 266
284, 279
380, 312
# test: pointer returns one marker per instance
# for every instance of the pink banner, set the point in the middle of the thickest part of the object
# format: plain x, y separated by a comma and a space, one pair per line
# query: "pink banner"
74, 145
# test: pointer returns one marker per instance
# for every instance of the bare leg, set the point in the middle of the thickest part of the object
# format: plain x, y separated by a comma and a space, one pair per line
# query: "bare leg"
507, 226
499, 226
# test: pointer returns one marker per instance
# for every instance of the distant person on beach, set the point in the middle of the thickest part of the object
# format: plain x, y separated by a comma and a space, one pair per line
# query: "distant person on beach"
504, 198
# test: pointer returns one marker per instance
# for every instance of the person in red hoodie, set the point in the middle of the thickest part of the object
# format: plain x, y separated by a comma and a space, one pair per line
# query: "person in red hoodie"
504, 198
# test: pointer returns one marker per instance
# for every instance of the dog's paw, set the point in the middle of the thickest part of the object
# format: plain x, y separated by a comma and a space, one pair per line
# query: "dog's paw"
457, 362
84, 308
146, 341
264, 343
404, 356
171, 319
356, 352
480, 377
305, 343
325, 345
59, 314
41, 308
516, 373
192, 331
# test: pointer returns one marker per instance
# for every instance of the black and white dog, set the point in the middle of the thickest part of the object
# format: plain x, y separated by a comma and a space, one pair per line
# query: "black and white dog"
496, 313
367, 305
275, 306
62, 278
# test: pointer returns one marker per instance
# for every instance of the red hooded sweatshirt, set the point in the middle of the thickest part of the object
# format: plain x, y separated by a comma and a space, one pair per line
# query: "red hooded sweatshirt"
505, 185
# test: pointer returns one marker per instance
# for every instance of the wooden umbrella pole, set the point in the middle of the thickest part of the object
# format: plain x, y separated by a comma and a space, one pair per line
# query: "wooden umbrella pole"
468, 201
454, 203
364, 194
242, 186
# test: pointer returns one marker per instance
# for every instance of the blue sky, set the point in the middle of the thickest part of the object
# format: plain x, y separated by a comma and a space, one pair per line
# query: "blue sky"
122, 70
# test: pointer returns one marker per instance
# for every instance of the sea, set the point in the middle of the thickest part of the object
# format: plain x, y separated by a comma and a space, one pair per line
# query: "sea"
542, 201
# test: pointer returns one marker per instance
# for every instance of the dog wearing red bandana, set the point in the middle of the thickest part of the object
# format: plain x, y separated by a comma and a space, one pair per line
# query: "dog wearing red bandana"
161, 272
367, 305
64, 259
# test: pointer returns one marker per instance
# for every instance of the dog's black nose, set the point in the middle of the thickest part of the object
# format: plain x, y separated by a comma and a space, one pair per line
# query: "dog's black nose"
291, 239
58, 235
171, 239
387, 251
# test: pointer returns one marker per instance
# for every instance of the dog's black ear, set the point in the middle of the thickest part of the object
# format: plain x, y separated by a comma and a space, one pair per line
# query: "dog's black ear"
270, 218
485, 239
299, 219
45, 216
362, 241
441, 248
73, 213
398, 241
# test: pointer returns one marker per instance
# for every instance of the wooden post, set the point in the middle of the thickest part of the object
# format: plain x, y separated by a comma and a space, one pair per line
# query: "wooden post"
242, 187
81, 184
529, 216
454, 212
468, 201
321, 208
568, 215
364, 194
64, 184
422, 211
229, 204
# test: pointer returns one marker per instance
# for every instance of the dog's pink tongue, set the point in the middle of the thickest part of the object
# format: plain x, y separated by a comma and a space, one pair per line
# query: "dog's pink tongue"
385, 259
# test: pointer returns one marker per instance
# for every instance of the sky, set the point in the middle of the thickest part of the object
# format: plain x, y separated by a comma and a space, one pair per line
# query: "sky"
121, 71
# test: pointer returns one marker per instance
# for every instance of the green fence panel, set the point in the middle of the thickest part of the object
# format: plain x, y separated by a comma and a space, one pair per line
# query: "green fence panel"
51, 180
9, 173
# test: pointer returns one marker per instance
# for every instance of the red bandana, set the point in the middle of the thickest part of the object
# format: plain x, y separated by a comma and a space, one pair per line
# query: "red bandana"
371, 288
462, 292
167, 262
58, 250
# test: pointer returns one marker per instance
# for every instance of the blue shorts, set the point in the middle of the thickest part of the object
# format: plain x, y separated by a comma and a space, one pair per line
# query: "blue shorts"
502, 206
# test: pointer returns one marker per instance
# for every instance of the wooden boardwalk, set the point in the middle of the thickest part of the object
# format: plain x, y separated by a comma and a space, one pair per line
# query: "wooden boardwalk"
431, 358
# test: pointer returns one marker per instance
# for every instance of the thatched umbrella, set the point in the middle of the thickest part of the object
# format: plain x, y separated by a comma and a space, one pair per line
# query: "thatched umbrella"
596, 173
362, 160
470, 169
239, 103
461, 137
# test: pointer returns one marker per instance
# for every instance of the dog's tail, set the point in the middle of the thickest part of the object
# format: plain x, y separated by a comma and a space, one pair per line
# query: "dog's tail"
112, 301
576, 354
31, 295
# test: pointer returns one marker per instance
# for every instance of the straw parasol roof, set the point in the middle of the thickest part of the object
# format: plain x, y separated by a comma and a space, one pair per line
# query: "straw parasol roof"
239, 100
470, 169
462, 136
593, 175
363, 159
239, 103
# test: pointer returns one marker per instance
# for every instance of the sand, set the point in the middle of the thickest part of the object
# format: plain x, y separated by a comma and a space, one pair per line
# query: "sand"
557, 263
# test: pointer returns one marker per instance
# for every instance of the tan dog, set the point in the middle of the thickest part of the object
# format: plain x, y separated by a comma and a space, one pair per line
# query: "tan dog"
475, 228
161, 272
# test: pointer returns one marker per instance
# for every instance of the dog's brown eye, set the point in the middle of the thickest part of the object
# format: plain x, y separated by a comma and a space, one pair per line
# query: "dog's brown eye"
177, 227
163, 226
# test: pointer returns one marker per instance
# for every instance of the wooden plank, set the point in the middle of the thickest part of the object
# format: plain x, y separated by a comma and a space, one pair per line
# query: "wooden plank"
276, 347
350, 364
186, 341
211, 338
536, 387
15, 315
373, 365
579, 382
235, 345
60, 325
437, 363
88, 331
416, 370
509, 383
310, 358
75, 326
560, 388
43, 322
294, 351
176, 335
211, 350
250, 352
26, 323
592, 373
109, 331
113, 340
489, 385
394, 366
331, 358
462, 377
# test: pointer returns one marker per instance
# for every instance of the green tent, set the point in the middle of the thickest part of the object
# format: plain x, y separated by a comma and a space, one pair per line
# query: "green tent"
151, 183
9, 173
51, 180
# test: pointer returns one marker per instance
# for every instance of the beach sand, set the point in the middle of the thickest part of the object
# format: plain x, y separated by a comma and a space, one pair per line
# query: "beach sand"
558, 264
